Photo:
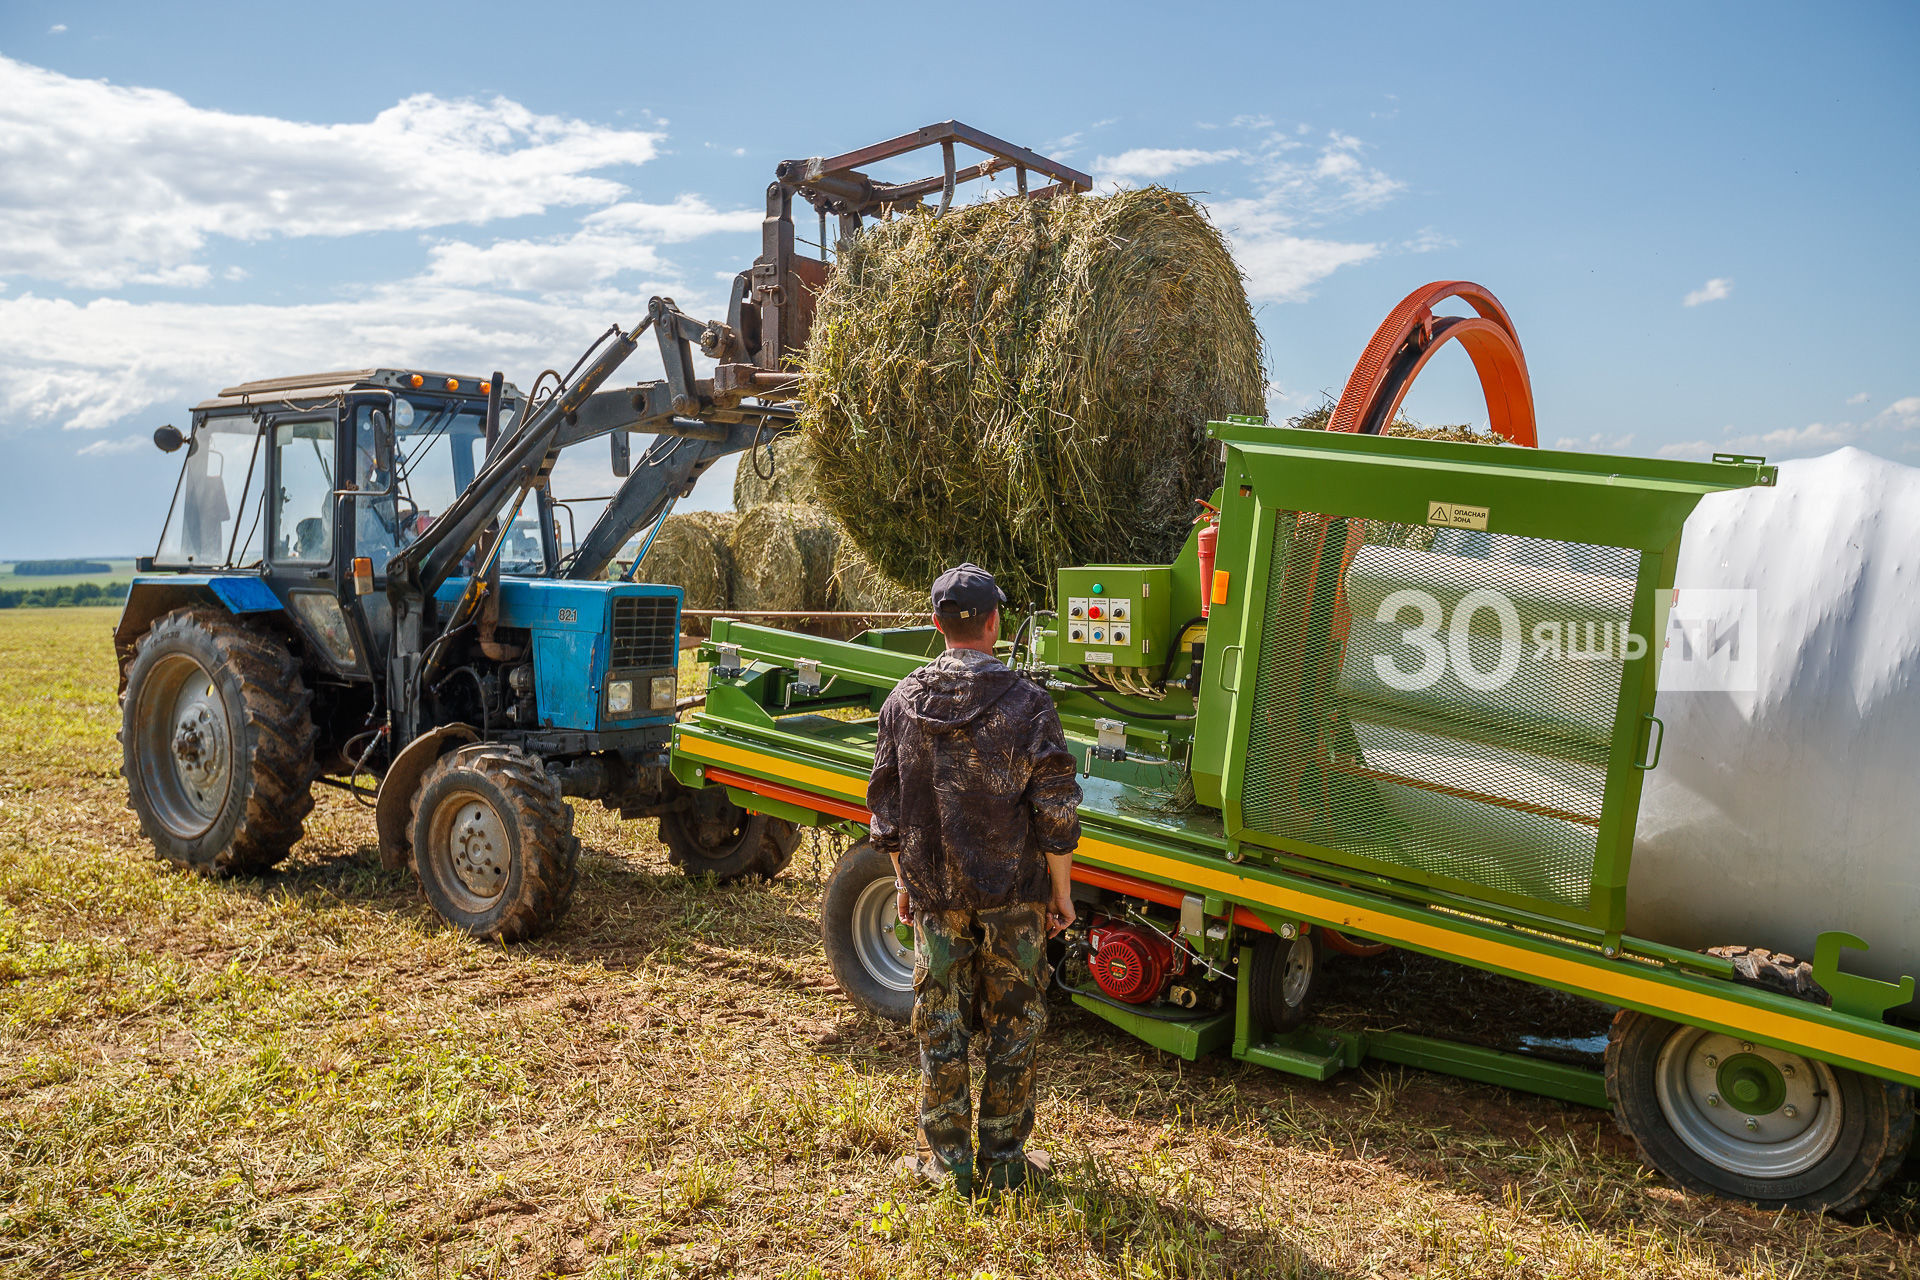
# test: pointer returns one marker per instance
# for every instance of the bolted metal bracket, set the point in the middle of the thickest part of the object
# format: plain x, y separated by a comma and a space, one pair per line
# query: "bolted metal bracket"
728, 666
1112, 741
807, 683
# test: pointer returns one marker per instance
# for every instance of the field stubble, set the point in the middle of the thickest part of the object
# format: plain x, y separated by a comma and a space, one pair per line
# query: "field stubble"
307, 1074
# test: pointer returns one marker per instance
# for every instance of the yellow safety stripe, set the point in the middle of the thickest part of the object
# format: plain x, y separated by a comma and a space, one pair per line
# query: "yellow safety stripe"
1619, 984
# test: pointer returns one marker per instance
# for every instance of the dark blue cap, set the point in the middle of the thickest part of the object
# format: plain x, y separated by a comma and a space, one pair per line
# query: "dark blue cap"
966, 591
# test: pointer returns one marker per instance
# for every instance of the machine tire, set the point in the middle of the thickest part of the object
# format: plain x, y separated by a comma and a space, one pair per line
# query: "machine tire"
1855, 1134
714, 836
856, 915
235, 700
482, 806
1286, 976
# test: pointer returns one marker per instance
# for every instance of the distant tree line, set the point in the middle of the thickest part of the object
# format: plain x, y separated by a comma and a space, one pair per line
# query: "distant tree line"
58, 568
54, 597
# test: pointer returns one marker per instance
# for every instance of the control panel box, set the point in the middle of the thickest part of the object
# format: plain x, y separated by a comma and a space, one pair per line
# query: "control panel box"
1114, 615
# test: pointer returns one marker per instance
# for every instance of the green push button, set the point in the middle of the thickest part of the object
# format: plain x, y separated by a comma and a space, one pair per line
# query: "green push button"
1098, 589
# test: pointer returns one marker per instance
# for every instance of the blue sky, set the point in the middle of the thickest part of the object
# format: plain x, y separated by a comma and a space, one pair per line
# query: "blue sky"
1700, 216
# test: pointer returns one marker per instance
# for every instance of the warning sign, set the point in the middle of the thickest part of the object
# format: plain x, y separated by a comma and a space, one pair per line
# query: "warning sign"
1456, 515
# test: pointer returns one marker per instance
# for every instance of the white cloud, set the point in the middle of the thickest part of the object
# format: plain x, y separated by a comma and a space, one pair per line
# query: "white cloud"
93, 365
1598, 442
116, 444
1150, 164
1692, 450
1712, 291
130, 183
618, 240
57, 29
1284, 268
1903, 414
1858, 397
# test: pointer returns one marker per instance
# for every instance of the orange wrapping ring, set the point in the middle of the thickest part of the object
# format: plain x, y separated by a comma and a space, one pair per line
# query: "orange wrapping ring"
1409, 337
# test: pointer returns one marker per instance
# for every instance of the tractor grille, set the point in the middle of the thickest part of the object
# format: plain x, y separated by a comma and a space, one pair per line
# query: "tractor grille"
1475, 762
643, 632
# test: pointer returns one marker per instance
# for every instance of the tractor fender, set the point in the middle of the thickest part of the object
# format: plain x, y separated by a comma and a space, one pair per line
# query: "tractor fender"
393, 807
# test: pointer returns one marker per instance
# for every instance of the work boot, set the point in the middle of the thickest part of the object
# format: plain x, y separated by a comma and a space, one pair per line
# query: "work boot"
1011, 1175
927, 1170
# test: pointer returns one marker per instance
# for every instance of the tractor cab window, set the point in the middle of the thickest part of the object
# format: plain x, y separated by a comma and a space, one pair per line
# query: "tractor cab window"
303, 494
211, 514
438, 446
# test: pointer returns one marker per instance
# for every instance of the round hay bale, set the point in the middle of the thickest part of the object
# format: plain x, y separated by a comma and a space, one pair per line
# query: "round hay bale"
783, 558
790, 478
859, 587
691, 553
1026, 384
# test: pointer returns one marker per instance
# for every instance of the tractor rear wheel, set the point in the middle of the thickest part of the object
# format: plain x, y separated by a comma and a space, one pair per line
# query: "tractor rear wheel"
859, 919
714, 836
493, 842
1751, 1122
217, 743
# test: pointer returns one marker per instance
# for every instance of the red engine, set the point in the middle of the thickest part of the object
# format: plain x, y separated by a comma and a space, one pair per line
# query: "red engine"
1129, 963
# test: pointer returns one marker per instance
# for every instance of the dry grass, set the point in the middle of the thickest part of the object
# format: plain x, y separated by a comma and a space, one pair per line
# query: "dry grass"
306, 1075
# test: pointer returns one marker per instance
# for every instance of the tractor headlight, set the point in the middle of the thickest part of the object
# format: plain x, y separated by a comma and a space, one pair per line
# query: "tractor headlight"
619, 696
665, 690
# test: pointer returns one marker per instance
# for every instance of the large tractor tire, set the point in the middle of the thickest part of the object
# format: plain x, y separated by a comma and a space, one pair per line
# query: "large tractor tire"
1733, 1118
217, 743
714, 836
493, 842
858, 917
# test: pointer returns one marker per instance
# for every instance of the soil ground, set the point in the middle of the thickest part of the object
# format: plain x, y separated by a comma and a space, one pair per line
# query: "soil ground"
306, 1074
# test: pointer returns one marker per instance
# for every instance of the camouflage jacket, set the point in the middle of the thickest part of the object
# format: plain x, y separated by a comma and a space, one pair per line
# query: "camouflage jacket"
972, 785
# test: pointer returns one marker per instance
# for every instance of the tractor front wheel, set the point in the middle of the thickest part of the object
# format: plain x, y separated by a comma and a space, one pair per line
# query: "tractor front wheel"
217, 743
493, 842
714, 836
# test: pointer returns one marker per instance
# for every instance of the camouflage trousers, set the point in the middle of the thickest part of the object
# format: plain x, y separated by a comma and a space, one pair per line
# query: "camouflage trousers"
991, 964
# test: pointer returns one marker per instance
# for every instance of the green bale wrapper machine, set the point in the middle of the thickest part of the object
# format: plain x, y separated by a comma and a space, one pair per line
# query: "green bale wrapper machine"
1401, 694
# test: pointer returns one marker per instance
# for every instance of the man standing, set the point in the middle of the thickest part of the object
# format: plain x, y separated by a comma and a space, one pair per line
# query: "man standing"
974, 797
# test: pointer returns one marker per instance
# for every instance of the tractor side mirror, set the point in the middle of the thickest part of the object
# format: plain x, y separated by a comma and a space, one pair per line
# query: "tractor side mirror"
168, 438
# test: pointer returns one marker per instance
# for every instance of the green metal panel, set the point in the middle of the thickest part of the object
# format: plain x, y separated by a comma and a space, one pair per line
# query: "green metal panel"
1132, 628
1189, 1038
1448, 662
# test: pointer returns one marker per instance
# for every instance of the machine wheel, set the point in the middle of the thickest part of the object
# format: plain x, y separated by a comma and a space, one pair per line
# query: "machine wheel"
1751, 1122
1285, 977
217, 743
493, 842
714, 836
858, 913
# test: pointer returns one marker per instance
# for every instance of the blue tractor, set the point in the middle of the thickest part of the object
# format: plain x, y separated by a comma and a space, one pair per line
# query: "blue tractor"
361, 575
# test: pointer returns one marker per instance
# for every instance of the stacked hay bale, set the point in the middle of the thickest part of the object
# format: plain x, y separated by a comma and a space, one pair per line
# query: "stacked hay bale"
780, 471
694, 551
783, 556
1026, 384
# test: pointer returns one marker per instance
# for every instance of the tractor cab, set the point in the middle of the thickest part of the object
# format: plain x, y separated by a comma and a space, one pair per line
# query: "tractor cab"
292, 481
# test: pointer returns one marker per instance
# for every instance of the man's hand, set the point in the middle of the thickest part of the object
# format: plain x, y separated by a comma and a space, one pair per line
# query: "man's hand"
902, 907
1060, 912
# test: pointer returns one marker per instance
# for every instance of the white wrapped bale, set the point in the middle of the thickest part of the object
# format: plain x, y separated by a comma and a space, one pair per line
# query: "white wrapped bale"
1781, 813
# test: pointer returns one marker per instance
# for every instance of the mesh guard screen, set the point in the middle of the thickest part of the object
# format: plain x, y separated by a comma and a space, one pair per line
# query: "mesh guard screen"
1471, 756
